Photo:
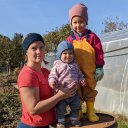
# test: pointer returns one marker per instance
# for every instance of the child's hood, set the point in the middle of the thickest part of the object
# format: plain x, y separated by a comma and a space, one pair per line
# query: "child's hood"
64, 45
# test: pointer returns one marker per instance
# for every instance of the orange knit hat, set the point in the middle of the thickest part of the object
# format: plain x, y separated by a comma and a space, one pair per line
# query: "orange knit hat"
78, 10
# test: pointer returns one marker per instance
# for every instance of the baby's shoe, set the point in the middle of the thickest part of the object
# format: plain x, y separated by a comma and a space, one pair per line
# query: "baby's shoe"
60, 125
76, 123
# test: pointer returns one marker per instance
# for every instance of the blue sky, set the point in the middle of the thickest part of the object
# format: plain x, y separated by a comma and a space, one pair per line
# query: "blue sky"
41, 16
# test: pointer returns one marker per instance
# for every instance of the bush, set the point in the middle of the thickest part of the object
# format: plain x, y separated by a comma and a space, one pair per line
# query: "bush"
10, 108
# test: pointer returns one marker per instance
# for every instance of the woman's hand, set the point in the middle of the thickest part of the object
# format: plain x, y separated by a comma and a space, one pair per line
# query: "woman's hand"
65, 92
83, 82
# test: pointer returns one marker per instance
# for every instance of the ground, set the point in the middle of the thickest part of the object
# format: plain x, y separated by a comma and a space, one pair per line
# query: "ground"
10, 107
9, 104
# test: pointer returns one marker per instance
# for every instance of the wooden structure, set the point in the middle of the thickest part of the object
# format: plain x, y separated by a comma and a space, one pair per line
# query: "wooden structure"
106, 121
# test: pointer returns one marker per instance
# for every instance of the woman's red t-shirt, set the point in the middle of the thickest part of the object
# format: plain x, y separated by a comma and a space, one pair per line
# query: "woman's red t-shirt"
31, 78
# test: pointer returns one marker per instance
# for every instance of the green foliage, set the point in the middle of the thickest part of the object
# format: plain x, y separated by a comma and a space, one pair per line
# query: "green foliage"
122, 124
10, 51
17, 55
10, 108
64, 32
5, 49
53, 38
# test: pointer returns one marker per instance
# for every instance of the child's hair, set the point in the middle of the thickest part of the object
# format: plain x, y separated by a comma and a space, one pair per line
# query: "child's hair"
78, 10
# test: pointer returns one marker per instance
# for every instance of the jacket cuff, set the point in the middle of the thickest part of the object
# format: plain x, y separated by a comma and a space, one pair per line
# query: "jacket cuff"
99, 66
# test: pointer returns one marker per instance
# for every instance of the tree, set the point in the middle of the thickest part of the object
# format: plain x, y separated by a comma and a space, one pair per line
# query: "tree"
5, 52
17, 55
10, 52
53, 38
114, 25
64, 32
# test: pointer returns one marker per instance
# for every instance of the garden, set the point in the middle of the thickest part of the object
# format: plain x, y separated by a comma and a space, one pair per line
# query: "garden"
10, 107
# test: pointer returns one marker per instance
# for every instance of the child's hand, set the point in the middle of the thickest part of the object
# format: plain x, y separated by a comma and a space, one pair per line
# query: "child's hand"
83, 82
53, 84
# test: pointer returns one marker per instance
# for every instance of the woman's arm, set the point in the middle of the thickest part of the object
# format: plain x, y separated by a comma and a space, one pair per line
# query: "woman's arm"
30, 97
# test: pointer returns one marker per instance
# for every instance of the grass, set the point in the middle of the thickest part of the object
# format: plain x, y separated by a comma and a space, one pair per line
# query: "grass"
122, 124
122, 121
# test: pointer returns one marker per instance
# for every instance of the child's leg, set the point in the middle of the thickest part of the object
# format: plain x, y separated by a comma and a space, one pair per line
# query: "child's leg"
80, 113
61, 110
89, 95
75, 106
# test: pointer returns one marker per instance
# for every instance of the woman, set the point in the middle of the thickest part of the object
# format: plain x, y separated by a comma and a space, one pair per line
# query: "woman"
35, 93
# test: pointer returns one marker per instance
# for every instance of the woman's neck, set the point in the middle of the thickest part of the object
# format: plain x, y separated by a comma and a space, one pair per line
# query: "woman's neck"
34, 66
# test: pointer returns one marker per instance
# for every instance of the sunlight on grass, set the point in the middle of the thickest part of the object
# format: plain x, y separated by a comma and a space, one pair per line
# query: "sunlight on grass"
122, 124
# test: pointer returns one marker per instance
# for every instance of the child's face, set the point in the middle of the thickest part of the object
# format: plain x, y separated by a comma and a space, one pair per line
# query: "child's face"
67, 56
78, 24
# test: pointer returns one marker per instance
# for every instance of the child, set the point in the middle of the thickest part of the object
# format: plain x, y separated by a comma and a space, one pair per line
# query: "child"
66, 72
89, 56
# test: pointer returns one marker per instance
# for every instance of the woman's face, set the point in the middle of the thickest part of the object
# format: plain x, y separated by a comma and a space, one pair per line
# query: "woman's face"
35, 52
78, 24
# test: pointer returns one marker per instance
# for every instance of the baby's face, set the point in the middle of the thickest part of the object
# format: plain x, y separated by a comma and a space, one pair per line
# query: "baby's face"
67, 56
78, 24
